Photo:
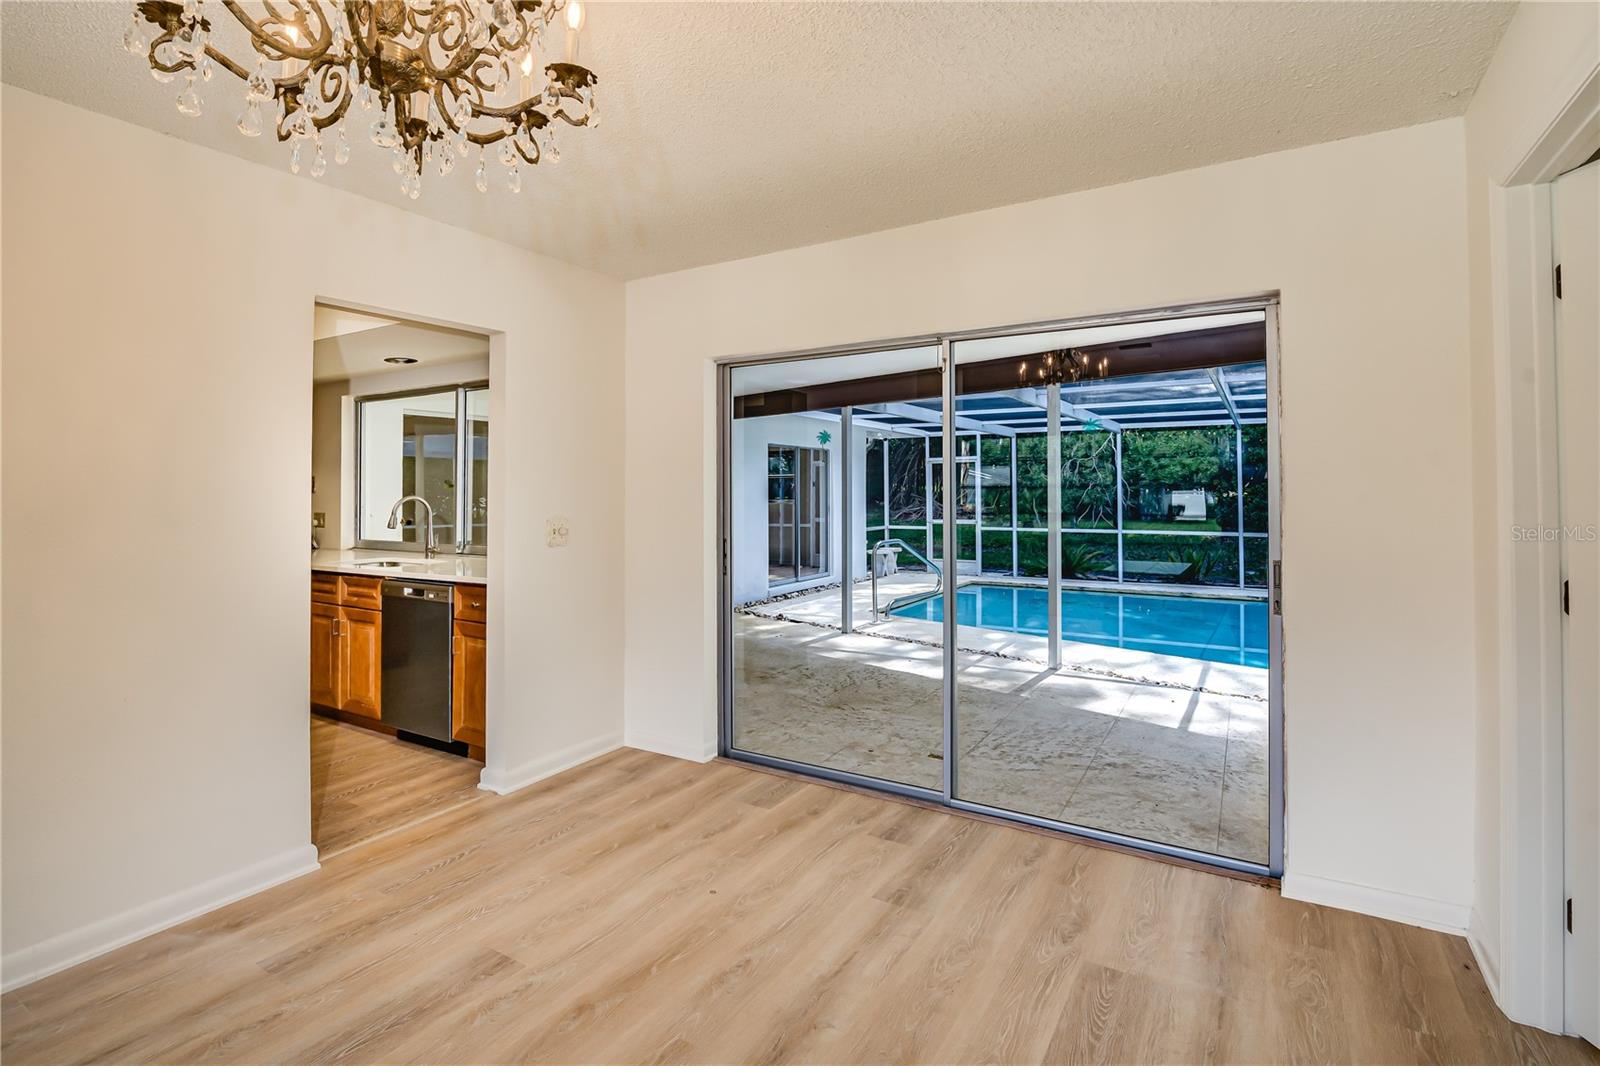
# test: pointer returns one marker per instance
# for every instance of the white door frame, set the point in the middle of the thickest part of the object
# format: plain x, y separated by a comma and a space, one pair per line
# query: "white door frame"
1528, 982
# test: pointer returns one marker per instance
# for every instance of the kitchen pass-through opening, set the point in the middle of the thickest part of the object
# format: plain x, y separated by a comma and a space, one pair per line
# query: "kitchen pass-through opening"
398, 572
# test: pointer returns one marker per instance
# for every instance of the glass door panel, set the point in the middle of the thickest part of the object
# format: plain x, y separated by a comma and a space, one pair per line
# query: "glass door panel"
827, 506
1110, 655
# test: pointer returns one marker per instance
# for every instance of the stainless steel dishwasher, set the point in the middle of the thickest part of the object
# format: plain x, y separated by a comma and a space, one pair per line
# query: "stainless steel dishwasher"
416, 658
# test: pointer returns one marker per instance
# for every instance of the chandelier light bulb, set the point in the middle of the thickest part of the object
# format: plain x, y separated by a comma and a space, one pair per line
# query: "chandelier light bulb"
575, 15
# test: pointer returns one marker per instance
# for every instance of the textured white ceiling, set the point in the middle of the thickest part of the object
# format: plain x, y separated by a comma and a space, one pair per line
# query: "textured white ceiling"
732, 129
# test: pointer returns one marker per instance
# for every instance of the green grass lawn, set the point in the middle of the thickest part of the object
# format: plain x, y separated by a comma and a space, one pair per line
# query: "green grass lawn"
1210, 525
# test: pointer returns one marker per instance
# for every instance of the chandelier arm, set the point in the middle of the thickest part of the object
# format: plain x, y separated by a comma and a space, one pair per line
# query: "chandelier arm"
366, 44
517, 110
333, 116
561, 114
227, 64
338, 93
431, 33
166, 68
286, 48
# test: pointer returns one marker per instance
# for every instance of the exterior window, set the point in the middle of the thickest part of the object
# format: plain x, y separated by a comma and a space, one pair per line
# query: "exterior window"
432, 444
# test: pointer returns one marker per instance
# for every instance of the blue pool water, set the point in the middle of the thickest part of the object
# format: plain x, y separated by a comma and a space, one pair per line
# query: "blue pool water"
1220, 631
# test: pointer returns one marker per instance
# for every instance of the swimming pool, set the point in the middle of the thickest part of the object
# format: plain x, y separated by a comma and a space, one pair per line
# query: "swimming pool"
1217, 630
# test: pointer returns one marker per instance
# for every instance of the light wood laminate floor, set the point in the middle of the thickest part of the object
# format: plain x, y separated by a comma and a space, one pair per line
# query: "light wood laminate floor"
641, 908
365, 784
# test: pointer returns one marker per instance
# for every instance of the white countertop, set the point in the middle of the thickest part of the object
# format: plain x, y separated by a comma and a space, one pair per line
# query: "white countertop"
451, 568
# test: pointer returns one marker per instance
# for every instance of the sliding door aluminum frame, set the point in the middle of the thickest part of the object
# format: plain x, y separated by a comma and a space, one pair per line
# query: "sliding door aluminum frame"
463, 467
946, 794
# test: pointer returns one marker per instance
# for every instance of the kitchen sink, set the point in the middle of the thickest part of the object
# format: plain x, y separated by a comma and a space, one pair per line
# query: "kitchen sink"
380, 564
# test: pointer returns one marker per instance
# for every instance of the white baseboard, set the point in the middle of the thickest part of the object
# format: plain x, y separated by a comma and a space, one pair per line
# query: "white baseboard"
26, 965
1488, 963
505, 782
1379, 902
673, 746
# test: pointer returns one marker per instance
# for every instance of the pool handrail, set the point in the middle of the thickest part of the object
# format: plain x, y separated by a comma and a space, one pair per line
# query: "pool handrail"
896, 542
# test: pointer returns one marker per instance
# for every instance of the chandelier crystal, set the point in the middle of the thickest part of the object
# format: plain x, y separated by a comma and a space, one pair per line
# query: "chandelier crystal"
429, 80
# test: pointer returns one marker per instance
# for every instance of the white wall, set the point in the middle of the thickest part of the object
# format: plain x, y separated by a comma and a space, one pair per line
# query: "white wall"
1365, 240
155, 727
1548, 50
328, 471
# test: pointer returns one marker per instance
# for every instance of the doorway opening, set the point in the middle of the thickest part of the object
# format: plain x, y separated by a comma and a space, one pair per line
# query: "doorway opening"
398, 573
1086, 638
797, 515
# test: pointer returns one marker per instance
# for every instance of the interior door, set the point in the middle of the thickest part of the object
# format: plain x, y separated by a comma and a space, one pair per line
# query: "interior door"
1576, 235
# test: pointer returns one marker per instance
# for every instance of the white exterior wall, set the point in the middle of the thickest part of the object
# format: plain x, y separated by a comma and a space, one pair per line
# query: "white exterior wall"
749, 441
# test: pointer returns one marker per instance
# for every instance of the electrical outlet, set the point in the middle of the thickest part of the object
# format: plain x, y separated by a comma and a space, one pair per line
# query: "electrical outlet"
319, 520
555, 532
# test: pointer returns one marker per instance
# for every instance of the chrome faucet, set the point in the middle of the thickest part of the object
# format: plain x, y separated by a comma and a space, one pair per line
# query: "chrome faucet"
430, 547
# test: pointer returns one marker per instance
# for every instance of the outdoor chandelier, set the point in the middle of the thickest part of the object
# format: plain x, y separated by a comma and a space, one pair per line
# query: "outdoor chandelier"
430, 80
1063, 366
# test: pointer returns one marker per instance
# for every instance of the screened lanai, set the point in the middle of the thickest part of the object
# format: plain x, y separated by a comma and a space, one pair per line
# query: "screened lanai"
1158, 476
1162, 478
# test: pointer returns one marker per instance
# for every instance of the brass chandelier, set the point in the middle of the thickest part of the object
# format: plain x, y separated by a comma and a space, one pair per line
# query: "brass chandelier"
430, 79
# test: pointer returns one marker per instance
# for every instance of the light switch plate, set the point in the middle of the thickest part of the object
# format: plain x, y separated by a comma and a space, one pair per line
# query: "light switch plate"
555, 532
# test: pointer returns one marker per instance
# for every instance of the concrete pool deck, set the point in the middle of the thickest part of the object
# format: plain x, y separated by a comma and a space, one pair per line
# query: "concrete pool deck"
1172, 750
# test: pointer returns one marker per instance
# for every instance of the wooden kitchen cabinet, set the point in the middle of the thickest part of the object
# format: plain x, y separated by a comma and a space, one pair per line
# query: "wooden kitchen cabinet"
361, 661
347, 653
468, 671
325, 655
347, 645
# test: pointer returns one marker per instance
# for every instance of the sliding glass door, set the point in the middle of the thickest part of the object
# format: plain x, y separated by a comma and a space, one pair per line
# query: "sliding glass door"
808, 568
1114, 678
1041, 584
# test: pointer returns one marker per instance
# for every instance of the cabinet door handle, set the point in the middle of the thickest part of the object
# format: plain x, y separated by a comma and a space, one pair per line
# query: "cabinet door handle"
335, 627
477, 605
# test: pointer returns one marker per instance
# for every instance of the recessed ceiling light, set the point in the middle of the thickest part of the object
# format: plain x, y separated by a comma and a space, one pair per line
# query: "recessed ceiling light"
399, 360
